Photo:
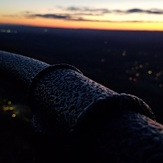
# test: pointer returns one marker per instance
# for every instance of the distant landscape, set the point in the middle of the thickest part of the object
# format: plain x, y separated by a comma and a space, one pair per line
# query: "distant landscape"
125, 61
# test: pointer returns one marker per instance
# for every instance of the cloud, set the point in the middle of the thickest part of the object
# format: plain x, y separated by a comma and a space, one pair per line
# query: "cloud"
156, 11
151, 11
134, 10
52, 16
68, 17
87, 9
101, 11
84, 14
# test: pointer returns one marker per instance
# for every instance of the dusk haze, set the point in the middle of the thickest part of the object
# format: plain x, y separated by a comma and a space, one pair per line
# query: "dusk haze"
90, 14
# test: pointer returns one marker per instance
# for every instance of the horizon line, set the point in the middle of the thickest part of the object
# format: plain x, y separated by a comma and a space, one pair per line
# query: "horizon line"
81, 28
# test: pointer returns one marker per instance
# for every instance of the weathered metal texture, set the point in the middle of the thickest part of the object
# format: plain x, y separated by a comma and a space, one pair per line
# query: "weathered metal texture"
21, 68
115, 127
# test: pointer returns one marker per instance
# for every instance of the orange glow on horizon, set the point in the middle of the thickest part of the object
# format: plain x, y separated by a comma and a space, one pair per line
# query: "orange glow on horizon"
87, 25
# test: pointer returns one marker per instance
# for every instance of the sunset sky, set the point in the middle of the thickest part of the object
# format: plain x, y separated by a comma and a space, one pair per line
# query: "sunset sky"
94, 14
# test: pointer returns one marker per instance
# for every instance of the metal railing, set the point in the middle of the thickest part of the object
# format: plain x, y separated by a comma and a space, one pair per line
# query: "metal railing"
95, 121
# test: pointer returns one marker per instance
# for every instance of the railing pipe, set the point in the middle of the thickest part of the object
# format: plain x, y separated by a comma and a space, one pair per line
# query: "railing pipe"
110, 126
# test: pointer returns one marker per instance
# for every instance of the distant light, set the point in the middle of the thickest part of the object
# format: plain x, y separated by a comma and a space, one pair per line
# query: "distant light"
9, 102
124, 53
137, 74
45, 30
8, 31
3, 30
130, 78
13, 115
102, 60
136, 67
7, 108
158, 74
132, 68
160, 85
149, 72
140, 66
134, 80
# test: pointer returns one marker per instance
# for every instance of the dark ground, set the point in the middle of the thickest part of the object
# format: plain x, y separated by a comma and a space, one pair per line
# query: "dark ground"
125, 61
